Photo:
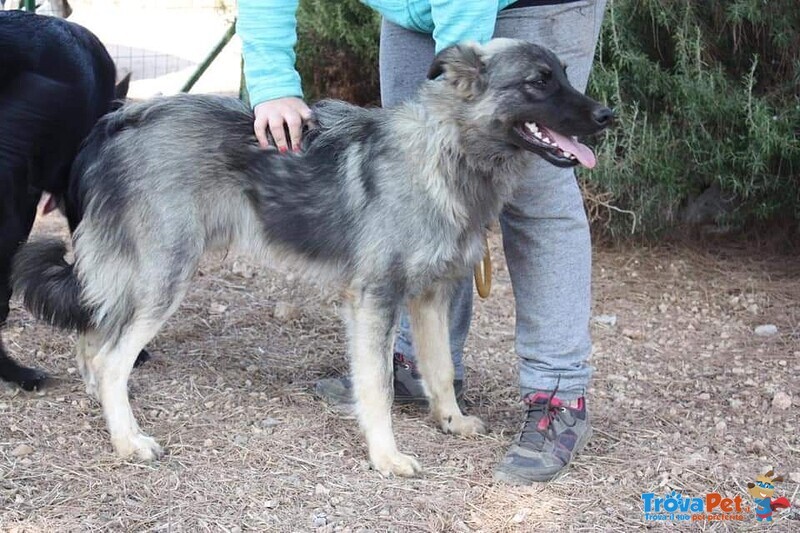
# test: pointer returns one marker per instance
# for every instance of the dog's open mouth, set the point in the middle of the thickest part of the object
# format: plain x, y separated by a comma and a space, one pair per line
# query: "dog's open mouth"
557, 149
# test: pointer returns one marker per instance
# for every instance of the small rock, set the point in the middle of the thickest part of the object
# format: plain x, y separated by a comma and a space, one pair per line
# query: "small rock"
794, 477
755, 447
720, 428
520, 516
271, 504
662, 308
704, 396
781, 401
208, 443
243, 269
321, 490
320, 520
632, 334
269, 423
21, 451
766, 330
285, 311
608, 320
217, 308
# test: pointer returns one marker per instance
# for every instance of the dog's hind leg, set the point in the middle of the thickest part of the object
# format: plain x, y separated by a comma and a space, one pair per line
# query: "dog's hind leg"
429, 327
86, 350
17, 212
370, 326
113, 365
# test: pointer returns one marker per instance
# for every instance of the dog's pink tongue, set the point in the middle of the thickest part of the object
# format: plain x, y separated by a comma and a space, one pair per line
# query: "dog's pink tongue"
582, 153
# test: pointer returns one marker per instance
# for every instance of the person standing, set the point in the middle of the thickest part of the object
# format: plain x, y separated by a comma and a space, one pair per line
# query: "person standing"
545, 231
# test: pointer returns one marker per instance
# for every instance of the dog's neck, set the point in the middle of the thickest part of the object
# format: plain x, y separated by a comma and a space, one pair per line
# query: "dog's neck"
478, 171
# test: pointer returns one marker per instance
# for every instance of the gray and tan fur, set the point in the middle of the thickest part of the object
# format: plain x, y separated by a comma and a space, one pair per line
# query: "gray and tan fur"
391, 203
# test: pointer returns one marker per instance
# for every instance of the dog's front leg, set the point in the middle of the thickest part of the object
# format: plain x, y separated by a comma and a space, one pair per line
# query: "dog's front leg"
429, 326
370, 324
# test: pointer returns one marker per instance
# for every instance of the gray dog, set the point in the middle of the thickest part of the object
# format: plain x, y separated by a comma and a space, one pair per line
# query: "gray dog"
391, 203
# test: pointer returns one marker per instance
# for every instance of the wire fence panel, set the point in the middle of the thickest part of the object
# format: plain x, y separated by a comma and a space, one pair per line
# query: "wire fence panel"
162, 42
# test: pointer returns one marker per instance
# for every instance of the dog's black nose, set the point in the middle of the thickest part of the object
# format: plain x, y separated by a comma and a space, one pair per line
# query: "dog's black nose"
602, 116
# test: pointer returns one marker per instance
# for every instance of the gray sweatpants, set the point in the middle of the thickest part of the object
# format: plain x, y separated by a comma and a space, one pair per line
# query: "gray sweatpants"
545, 231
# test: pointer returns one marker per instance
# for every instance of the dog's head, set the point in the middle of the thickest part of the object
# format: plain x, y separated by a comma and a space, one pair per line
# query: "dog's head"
521, 92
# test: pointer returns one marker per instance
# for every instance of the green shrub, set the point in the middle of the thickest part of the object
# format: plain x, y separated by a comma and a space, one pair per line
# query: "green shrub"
705, 92
704, 95
337, 50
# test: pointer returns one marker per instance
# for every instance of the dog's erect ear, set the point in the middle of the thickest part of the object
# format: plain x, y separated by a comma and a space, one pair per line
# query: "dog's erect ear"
121, 89
463, 67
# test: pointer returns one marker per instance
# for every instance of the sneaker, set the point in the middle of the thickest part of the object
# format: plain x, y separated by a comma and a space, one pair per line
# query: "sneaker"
553, 432
408, 389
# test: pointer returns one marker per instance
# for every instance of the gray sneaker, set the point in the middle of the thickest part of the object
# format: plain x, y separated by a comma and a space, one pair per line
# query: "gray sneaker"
338, 392
550, 437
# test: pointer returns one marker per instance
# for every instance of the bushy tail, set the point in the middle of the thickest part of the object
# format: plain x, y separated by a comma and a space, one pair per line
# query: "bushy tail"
48, 285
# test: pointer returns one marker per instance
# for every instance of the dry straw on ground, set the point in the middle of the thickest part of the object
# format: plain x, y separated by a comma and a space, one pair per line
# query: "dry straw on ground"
682, 399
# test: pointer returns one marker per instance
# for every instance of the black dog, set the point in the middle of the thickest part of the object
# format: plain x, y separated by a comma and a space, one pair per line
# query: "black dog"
56, 81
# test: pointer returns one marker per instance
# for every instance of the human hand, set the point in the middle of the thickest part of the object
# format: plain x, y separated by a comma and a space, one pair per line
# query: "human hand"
272, 115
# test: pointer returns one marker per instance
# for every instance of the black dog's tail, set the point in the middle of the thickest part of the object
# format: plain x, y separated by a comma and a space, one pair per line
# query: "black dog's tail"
48, 285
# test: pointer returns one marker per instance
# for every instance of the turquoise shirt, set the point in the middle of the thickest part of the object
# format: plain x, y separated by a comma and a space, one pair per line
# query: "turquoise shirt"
268, 29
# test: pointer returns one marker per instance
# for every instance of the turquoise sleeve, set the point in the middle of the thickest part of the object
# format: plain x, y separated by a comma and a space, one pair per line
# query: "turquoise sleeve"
268, 30
468, 20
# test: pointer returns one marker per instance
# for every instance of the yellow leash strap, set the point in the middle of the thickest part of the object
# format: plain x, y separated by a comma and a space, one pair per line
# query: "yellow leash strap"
483, 272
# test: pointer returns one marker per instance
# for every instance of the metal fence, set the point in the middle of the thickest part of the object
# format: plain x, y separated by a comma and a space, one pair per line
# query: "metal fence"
167, 46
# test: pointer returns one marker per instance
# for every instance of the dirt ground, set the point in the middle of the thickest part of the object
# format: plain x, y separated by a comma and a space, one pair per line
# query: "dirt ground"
686, 397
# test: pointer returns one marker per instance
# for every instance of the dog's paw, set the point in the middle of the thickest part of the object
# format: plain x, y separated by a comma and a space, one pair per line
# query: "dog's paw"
396, 463
30, 379
139, 447
463, 425
91, 390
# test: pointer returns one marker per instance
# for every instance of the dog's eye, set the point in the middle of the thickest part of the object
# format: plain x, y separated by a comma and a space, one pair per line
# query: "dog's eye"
540, 83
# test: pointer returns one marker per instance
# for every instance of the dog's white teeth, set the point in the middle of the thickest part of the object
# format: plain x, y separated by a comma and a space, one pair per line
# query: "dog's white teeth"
569, 155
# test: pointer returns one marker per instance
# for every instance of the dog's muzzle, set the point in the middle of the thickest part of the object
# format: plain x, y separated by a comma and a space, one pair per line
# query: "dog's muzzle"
557, 149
